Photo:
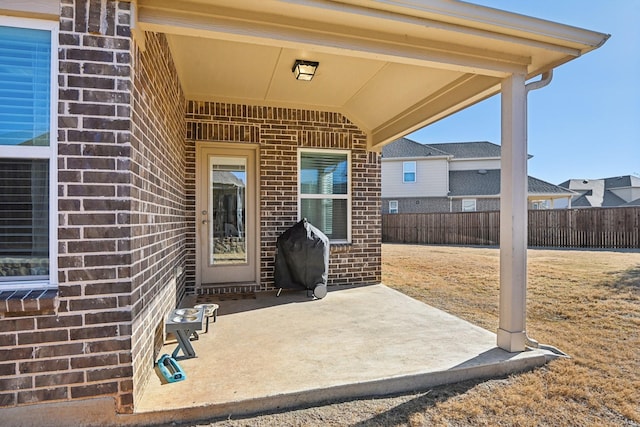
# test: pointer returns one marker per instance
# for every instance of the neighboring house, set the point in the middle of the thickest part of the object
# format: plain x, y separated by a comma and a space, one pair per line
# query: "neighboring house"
605, 192
141, 140
451, 177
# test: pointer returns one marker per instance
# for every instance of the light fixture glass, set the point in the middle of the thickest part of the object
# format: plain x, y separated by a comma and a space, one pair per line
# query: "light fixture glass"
304, 70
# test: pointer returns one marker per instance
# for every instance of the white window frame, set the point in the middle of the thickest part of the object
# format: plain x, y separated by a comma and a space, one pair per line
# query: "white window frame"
393, 206
39, 152
406, 169
539, 205
469, 201
346, 197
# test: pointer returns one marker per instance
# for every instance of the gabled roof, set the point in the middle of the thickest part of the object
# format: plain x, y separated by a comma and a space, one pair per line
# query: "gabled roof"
405, 147
610, 199
597, 192
487, 183
581, 202
469, 150
543, 187
621, 181
609, 183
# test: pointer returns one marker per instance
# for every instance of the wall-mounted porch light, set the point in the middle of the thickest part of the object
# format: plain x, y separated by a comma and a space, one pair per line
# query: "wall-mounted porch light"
304, 70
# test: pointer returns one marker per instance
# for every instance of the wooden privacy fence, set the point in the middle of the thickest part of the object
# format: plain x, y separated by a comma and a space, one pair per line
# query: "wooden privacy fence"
581, 228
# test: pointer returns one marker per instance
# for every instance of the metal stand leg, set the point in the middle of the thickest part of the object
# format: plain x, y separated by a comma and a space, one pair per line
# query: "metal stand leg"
182, 335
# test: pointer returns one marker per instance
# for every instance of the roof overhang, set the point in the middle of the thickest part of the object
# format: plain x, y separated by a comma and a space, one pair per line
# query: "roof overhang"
391, 67
415, 158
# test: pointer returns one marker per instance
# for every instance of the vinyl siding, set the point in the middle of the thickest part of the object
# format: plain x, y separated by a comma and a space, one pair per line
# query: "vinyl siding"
431, 179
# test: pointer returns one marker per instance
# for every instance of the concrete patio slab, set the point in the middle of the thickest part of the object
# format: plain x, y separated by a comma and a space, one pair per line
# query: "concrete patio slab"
269, 353
275, 352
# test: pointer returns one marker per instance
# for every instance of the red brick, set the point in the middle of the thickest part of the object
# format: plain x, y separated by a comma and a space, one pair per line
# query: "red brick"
93, 303
94, 390
43, 337
16, 383
8, 369
108, 317
49, 365
8, 399
93, 361
59, 378
49, 322
87, 333
112, 344
109, 373
58, 350
7, 340
18, 353
91, 274
42, 395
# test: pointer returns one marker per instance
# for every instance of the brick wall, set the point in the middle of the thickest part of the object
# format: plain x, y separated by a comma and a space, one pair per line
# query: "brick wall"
158, 226
121, 236
279, 133
83, 350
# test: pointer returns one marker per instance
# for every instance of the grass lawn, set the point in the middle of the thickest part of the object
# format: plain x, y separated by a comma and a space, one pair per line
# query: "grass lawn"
586, 303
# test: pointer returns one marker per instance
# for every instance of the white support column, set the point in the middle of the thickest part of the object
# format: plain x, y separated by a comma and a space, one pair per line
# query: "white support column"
513, 216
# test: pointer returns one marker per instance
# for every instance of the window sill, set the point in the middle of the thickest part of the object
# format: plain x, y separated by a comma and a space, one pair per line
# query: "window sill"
17, 303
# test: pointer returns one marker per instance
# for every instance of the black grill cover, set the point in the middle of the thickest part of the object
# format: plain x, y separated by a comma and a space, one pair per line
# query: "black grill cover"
302, 258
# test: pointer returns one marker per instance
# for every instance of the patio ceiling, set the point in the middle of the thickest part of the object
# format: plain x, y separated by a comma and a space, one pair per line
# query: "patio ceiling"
391, 67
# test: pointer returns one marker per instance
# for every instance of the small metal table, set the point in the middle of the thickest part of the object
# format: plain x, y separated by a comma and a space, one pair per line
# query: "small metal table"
183, 322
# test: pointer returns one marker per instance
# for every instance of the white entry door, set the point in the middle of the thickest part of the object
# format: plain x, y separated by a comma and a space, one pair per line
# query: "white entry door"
226, 215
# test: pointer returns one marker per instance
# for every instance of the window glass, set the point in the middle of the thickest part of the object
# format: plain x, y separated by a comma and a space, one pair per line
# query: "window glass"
468, 205
393, 206
323, 173
324, 192
27, 150
329, 215
24, 219
25, 73
409, 172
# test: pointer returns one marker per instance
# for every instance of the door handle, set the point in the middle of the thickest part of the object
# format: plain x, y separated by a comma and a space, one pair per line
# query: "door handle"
205, 220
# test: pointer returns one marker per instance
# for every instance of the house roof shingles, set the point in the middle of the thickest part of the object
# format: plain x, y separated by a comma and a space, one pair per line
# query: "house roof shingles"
487, 183
603, 187
471, 182
621, 182
469, 150
407, 148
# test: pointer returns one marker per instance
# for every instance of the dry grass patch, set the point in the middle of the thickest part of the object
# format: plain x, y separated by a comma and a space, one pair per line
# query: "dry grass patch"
587, 303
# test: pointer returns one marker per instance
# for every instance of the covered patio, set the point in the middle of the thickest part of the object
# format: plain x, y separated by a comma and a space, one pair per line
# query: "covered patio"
194, 80
390, 67
355, 342
271, 353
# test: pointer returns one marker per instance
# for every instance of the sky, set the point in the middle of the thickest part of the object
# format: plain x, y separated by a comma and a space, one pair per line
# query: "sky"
586, 122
